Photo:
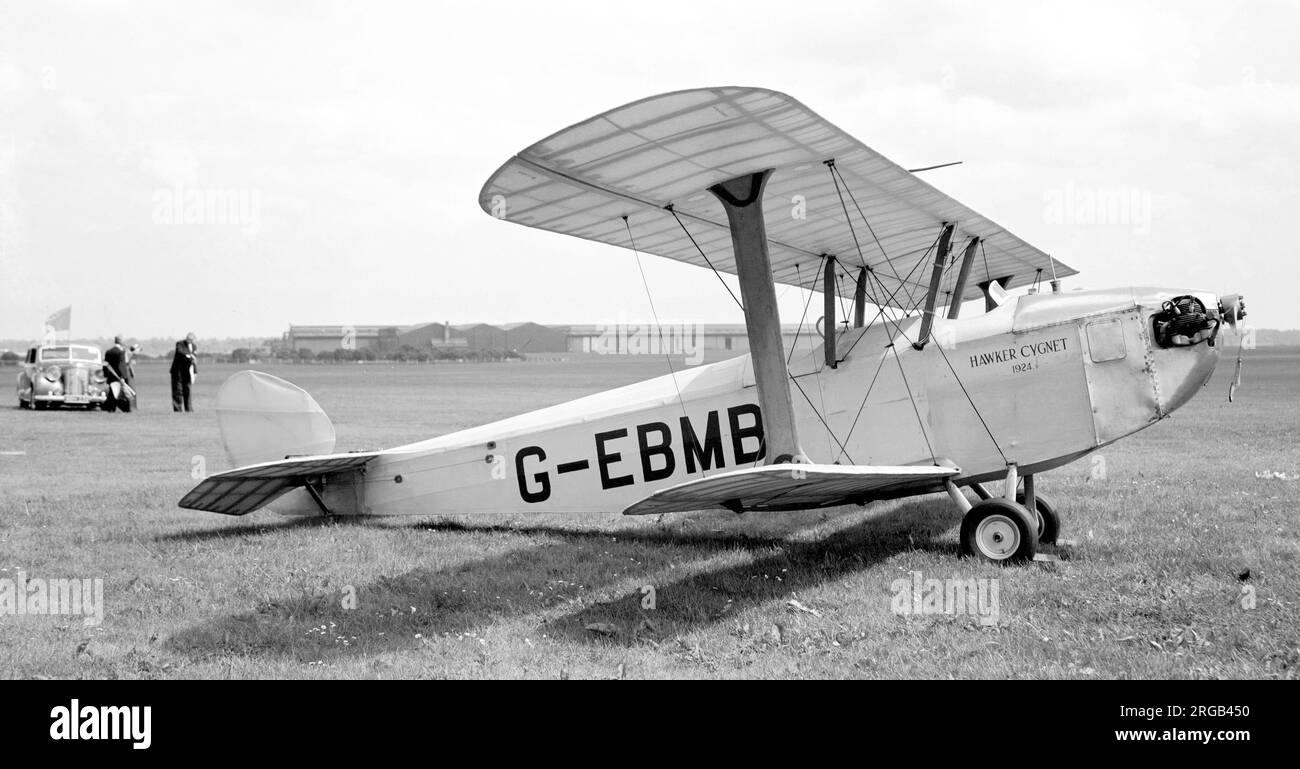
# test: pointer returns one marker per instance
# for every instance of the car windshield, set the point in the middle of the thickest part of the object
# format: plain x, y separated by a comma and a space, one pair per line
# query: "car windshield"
66, 353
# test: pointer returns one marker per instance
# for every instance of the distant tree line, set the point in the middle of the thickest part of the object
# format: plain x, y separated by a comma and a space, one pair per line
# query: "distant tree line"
405, 353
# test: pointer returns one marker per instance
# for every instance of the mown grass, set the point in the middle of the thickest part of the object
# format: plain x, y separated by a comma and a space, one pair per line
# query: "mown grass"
1188, 519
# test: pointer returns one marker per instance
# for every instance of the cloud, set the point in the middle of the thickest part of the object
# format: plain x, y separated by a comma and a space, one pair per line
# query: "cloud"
366, 131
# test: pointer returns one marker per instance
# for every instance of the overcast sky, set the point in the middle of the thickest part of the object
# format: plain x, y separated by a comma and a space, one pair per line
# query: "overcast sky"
354, 137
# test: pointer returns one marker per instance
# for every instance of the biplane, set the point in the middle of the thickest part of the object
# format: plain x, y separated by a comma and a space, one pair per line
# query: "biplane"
927, 375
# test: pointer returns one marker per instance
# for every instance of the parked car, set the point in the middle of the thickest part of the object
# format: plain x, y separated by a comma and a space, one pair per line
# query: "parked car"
62, 375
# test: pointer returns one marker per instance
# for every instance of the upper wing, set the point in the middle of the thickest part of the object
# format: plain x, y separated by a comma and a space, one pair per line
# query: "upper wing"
794, 487
245, 489
669, 149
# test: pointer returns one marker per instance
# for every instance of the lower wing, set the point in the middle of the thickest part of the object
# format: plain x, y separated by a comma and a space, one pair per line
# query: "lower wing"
795, 487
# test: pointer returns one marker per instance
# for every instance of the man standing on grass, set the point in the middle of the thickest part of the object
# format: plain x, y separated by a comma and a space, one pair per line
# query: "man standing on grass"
115, 366
184, 370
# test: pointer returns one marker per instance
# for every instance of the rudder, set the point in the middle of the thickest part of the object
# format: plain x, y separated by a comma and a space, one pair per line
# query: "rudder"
265, 418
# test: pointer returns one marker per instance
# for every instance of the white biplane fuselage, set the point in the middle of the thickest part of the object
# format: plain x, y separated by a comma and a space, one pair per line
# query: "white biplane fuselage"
752, 183
1055, 376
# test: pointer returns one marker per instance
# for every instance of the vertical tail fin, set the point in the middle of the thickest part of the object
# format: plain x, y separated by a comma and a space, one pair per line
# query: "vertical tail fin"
264, 418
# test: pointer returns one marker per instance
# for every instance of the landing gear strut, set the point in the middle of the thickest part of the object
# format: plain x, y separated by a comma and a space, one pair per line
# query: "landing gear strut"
1049, 523
1002, 529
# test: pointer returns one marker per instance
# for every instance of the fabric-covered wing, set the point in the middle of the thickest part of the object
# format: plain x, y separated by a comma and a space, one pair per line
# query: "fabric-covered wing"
794, 487
669, 149
245, 489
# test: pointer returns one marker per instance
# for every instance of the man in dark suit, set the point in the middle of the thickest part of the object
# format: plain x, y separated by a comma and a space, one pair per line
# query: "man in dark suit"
115, 363
184, 369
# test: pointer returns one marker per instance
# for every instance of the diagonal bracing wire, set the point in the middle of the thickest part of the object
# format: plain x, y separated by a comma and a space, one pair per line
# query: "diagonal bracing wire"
837, 176
822, 419
863, 404
707, 261
795, 344
964, 391
880, 312
830, 164
839, 291
658, 326
898, 328
971, 401
920, 422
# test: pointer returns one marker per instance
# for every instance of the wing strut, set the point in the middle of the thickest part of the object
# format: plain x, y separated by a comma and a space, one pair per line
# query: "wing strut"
860, 300
315, 495
742, 198
932, 294
828, 307
963, 274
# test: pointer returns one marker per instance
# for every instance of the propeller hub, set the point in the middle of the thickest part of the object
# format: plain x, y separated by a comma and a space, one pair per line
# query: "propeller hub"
1232, 308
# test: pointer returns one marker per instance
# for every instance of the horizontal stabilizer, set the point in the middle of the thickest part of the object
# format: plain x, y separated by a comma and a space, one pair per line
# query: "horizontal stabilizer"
794, 487
243, 490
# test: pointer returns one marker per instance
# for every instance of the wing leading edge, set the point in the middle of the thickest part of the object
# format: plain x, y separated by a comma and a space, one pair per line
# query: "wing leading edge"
794, 487
669, 149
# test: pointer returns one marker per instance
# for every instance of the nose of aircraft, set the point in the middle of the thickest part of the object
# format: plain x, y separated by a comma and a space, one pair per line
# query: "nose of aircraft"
1181, 373
1232, 308
1187, 363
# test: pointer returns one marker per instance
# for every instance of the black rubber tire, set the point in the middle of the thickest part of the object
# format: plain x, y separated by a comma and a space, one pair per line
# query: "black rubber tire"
1017, 544
1049, 522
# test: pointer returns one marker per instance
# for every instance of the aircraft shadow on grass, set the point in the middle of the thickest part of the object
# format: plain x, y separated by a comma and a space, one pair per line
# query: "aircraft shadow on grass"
255, 529
536, 581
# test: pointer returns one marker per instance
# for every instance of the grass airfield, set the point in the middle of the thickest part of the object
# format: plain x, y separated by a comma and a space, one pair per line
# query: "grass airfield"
1184, 559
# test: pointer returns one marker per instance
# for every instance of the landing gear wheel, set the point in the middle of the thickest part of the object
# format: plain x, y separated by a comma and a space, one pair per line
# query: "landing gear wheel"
999, 532
1049, 523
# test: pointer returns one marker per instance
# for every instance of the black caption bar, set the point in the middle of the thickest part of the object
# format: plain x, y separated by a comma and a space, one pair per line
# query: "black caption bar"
301, 719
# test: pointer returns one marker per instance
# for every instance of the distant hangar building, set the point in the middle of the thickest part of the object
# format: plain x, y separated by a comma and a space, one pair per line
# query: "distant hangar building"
330, 338
436, 336
624, 339
534, 337
481, 336
608, 339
